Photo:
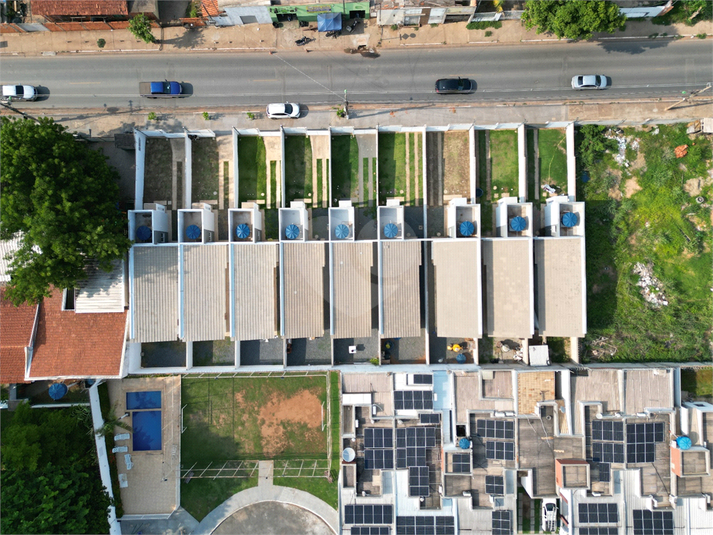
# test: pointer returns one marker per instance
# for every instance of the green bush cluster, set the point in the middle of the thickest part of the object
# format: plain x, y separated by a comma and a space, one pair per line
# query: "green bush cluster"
484, 25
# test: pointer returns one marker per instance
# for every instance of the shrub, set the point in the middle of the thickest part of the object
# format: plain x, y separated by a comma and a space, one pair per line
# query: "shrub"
702, 35
374, 361
341, 112
101, 43
488, 33
250, 115
433, 25
394, 27
140, 27
484, 25
152, 116
206, 116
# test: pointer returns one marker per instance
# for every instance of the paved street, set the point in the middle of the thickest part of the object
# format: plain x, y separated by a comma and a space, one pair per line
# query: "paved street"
637, 69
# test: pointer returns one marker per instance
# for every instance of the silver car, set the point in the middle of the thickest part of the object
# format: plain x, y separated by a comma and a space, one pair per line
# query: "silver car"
19, 92
589, 81
283, 111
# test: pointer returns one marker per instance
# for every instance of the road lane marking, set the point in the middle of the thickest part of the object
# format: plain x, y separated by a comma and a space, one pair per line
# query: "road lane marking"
267, 80
84, 83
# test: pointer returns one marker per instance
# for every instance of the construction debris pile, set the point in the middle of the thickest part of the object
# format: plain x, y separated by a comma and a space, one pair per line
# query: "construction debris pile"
618, 135
681, 151
650, 286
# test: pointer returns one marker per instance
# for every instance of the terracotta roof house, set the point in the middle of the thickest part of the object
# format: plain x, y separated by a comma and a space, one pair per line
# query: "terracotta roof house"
80, 10
16, 328
72, 345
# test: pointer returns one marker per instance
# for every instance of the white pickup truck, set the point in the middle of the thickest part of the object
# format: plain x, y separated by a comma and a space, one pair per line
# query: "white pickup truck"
18, 92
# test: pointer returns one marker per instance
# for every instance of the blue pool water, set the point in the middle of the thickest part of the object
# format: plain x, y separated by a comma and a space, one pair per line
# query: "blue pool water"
143, 400
147, 430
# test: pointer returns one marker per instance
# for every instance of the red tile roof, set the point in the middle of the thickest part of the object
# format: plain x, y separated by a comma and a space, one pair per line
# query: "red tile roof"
77, 345
210, 8
85, 8
15, 332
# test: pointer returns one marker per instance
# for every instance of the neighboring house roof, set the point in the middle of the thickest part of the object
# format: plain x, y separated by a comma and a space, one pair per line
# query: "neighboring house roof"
76, 345
204, 277
303, 268
507, 285
400, 277
211, 8
7, 249
16, 325
458, 284
561, 292
352, 263
154, 293
256, 298
101, 291
79, 7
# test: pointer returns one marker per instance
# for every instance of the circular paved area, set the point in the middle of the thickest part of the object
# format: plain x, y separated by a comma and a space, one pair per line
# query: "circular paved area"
272, 518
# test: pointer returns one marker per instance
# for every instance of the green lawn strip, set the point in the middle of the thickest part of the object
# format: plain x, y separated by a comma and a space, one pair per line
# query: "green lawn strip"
553, 157
537, 509
531, 163
486, 216
482, 163
298, 168
413, 167
317, 486
557, 350
504, 168
204, 181
345, 168
158, 184
392, 166
200, 496
276, 201
374, 178
226, 183
335, 423
252, 168
318, 199
698, 382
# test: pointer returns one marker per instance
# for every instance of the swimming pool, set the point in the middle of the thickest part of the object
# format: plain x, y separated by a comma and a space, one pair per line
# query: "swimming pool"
147, 430
143, 400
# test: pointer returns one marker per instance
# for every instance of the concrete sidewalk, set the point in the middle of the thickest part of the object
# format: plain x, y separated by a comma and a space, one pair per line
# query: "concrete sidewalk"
254, 37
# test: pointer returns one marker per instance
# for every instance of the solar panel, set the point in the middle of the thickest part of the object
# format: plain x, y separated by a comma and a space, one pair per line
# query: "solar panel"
641, 441
370, 530
375, 437
422, 379
494, 485
598, 513
599, 530
425, 525
418, 481
607, 430
608, 452
502, 524
495, 429
604, 472
461, 463
419, 400
430, 418
368, 514
500, 450
652, 522
378, 459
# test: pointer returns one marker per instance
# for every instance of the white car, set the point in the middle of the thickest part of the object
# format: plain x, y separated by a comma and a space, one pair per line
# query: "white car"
589, 81
549, 514
283, 111
19, 92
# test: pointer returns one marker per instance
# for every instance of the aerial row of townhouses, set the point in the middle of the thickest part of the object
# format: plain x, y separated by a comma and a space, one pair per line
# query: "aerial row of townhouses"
449, 400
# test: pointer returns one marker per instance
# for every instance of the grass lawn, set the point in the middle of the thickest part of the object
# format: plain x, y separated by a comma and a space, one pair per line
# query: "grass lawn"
252, 168
158, 181
531, 163
204, 184
298, 168
318, 486
698, 382
215, 353
660, 226
504, 166
200, 496
553, 157
345, 169
392, 166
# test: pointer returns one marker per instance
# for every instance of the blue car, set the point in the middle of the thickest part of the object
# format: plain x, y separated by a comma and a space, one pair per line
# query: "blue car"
163, 89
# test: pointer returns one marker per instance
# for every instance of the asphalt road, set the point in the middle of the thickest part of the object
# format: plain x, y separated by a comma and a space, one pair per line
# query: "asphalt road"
635, 68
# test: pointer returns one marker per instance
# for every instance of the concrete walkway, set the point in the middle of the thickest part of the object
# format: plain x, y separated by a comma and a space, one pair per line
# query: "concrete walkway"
267, 492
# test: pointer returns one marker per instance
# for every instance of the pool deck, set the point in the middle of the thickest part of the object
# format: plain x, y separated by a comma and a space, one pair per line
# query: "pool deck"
154, 477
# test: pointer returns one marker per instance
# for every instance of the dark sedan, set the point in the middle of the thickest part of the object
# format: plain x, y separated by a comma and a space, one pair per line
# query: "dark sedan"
447, 86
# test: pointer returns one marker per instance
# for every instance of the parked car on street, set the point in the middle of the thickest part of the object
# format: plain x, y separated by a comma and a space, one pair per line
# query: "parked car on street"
589, 81
453, 85
19, 92
163, 89
281, 110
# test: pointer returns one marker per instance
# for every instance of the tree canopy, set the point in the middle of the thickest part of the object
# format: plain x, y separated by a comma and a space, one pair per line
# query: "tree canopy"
50, 478
60, 197
572, 19
140, 27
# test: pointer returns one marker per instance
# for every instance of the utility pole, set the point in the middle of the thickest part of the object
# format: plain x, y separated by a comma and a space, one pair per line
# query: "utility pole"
346, 105
686, 98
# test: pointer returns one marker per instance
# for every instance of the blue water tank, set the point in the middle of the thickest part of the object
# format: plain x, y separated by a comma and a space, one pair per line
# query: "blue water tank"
464, 444
684, 443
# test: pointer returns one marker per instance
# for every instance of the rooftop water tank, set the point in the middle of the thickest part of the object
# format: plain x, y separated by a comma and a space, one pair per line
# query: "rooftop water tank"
193, 232
518, 224
242, 231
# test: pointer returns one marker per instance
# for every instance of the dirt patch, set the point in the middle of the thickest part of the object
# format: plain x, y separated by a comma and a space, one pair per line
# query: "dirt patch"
631, 186
639, 163
615, 191
694, 186
281, 415
456, 154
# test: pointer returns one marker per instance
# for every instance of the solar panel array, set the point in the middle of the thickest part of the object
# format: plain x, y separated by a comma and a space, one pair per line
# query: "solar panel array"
461, 463
641, 441
604, 472
495, 429
502, 451
378, 448
494, 485
502, 523
607, 431
425, 525
598, 513
418, 481
430, 418
422, 379
378, 459
413, 400
376, 437
653, 522
368, 514
411, 445
370, 530
608, 452
599, 530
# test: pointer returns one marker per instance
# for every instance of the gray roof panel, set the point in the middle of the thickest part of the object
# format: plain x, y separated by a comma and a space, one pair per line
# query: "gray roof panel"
351, 264
400, 283
303, 272
205, 276
256, 296
155, 293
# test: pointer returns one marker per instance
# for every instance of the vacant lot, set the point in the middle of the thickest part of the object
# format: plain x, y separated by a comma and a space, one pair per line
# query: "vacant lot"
298, 168
345, 168
504, 167
252, 165
553, 158
204, 185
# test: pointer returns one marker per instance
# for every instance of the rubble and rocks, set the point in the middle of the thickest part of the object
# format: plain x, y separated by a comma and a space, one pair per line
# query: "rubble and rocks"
651, 287
622, 141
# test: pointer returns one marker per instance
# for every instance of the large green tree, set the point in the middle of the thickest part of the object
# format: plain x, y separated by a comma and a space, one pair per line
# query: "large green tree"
572, 19
61, 197
140, 26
